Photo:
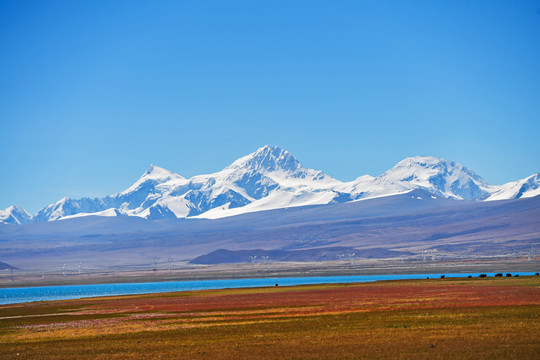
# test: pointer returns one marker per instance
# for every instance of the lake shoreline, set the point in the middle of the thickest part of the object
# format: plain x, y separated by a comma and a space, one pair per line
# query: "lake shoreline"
72, 292
246, 271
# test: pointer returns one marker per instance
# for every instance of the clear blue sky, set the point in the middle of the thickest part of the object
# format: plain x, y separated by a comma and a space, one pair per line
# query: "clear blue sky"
92, 92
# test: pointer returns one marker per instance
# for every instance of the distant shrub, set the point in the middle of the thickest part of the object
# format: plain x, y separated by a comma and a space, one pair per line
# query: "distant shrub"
508, 275
470, 276
498, 275
482, 275
442, 276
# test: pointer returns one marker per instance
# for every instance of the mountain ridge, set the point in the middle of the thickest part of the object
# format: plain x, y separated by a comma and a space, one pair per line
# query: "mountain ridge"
272, 178
412, 222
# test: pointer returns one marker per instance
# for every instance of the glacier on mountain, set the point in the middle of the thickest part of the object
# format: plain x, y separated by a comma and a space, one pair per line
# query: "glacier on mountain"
272, 178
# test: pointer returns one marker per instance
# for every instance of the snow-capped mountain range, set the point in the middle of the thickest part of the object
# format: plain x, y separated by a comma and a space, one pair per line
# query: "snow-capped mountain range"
272, 178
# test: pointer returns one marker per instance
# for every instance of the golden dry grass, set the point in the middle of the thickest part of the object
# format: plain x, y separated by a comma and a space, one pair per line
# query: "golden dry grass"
496, 318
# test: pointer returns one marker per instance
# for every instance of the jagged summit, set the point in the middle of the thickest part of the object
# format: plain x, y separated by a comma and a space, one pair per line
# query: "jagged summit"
272, 178
268, 158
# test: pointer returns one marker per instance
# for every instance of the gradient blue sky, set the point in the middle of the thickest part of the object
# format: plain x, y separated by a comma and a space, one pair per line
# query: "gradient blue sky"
92, 92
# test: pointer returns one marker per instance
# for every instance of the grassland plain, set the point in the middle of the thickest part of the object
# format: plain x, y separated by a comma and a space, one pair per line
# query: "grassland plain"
479, 318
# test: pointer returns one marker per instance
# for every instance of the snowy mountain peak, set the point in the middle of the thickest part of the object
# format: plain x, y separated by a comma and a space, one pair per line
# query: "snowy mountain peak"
424, 161
14, 215
268, 159
155, 172
154, 178
420, 168
447, 178
428, 162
